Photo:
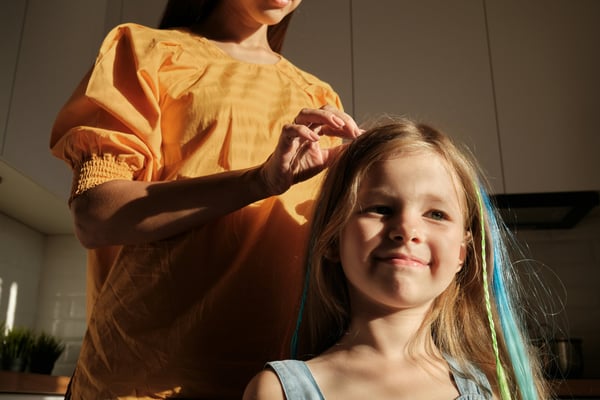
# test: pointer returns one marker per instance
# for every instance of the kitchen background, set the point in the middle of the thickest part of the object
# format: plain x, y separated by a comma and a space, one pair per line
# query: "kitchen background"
517, 81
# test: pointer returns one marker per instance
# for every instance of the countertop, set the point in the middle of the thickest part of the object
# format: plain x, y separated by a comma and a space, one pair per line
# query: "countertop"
19, 382
22, 382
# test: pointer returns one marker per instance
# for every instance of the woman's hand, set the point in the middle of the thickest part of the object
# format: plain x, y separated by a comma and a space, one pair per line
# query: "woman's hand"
298, 155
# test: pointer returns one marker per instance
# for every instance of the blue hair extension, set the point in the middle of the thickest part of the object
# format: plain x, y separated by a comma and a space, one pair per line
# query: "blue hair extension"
294, 342
511, 328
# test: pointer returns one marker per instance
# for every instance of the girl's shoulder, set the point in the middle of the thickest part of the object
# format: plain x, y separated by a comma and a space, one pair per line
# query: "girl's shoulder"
294, 379
264, 385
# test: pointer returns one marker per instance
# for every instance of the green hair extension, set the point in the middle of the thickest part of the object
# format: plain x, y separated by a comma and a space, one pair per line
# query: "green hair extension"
502, 382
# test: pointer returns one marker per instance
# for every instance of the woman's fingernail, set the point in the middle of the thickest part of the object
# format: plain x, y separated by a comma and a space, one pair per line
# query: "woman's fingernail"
338, 121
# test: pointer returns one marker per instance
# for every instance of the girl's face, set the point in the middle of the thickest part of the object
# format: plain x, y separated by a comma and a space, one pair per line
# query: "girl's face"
405, 241
264, 12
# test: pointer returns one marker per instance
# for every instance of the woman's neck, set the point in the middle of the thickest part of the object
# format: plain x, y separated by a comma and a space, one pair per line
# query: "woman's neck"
248, 37
250, 54
244, 44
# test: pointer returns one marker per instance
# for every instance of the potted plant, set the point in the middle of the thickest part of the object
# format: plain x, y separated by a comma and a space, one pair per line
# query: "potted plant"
16, 349
44, 352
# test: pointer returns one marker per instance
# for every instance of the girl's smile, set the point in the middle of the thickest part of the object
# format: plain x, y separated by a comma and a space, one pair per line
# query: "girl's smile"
402, 260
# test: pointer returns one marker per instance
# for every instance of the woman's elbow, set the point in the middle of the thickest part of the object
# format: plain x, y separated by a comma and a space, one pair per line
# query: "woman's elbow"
90, 228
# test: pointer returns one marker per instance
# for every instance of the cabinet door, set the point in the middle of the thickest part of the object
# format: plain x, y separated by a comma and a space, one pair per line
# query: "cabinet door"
428, 60
546, 63
12, 14
59, 43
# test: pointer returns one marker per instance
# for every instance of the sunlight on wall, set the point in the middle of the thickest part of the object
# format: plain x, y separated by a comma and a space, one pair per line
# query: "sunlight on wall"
12, 305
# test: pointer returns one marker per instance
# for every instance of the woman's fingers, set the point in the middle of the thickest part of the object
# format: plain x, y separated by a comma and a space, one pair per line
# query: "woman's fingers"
318, 116
330, 121
291, 132
349, 125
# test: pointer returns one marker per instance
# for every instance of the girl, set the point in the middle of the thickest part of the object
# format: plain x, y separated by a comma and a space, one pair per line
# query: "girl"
194, 175
408, 294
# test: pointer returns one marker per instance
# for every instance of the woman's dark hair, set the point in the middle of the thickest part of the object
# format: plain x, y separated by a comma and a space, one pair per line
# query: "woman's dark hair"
187, 13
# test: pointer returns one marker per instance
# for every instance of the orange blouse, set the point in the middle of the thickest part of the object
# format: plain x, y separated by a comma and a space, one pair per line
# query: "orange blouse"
198, 314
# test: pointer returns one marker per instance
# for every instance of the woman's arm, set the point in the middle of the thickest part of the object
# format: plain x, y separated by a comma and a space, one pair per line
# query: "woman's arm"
131, 212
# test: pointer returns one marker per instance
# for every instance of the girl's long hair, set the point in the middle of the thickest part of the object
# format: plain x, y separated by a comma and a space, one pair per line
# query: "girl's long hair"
459, 321
190, 13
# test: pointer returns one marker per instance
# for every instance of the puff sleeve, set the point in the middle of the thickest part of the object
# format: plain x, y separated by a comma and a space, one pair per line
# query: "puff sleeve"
110, 127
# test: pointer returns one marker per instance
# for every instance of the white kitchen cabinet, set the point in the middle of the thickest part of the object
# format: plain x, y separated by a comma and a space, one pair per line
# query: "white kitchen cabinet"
12, 14
428, 60
59, 43
546, 66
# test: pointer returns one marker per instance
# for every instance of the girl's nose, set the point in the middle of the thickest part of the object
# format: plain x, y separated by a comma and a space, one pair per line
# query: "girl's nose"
405, 232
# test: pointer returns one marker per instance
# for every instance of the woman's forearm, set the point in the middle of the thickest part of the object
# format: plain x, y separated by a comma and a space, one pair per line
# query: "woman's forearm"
131, 212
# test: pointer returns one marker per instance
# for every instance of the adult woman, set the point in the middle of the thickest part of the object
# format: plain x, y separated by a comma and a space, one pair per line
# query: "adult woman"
196, 241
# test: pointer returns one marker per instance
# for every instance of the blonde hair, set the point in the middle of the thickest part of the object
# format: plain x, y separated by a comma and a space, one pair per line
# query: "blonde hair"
457, 320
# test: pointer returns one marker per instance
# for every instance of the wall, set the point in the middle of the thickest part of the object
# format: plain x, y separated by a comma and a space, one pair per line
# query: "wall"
49, 272
62, 304
21, 257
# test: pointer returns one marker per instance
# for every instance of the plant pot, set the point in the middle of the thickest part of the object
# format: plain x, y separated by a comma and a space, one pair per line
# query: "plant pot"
17, 364
41, 366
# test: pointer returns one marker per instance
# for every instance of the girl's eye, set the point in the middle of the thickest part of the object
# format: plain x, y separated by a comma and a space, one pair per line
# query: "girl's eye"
437, 215
379, 210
